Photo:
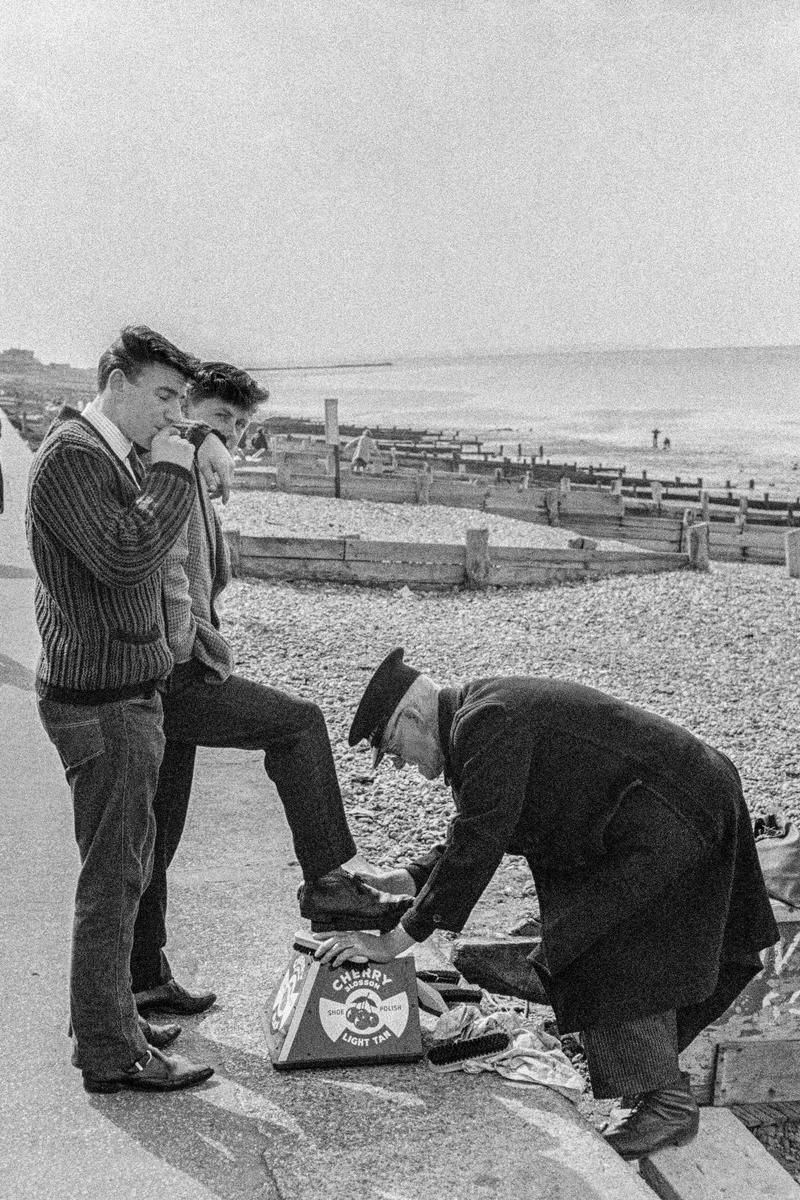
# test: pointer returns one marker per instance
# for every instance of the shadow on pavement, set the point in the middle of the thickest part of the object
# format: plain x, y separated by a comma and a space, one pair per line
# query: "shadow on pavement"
15, 674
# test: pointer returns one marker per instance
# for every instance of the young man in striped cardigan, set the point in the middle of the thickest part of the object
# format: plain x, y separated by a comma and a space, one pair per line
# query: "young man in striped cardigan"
206, 704
99, 530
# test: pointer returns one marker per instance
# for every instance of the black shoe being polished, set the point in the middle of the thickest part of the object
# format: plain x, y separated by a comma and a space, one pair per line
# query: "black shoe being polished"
667, 1117
156, 1073
171, 997
340, 900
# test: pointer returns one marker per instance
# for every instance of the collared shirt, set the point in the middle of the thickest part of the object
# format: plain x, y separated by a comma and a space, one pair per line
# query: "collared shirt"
111, 434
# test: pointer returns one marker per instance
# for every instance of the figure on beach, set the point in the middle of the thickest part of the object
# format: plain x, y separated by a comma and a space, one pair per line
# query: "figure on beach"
653, 905
364, 450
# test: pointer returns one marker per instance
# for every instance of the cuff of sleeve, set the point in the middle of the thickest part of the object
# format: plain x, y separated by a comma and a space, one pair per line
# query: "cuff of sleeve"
172, 469
417, 926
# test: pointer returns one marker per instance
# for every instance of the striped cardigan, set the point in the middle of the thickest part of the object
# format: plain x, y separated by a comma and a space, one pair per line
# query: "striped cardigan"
98, 547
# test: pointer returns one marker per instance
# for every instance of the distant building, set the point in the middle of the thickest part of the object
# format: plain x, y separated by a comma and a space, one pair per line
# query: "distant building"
15, 359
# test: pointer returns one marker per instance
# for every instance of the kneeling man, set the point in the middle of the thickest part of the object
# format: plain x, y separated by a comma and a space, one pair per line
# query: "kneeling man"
653, 905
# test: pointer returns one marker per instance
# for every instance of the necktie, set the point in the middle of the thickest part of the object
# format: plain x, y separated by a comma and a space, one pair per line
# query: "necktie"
136, 466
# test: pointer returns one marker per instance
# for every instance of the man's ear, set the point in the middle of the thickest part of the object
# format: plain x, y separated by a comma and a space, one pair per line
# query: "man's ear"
116, 382
414, 715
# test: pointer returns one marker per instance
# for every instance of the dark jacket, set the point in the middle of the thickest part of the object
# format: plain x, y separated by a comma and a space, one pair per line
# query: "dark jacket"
636, 832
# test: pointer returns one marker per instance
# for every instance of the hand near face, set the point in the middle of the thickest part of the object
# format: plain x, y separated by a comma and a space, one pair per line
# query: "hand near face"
216, 466
168, 446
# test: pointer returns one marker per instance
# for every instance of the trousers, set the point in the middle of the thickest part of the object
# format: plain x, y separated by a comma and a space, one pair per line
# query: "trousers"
239, 714
111, 754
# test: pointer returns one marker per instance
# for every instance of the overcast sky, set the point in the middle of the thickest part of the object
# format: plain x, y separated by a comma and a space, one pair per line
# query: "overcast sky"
296, 180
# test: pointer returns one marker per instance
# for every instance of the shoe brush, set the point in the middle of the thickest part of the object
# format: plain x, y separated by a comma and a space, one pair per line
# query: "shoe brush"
451, 1056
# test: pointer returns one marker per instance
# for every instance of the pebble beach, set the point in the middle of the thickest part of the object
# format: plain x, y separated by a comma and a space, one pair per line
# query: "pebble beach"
716, 652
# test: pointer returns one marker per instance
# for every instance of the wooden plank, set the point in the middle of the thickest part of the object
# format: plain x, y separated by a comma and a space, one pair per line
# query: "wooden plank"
724, 1162
319, 570
361, 550
757, 1070
253, 479
765, 539
430, 574
304, 548
756, 1115
336, 571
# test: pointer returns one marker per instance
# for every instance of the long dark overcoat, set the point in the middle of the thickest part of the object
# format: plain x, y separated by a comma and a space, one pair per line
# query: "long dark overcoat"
637, 835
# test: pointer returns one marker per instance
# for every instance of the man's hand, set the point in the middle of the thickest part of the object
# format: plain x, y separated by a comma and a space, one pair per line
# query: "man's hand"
396, 883
216, 467
362, 947
168, 446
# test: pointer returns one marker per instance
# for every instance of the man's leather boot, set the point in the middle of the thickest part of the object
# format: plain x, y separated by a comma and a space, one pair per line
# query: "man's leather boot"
340, 900
666, 1117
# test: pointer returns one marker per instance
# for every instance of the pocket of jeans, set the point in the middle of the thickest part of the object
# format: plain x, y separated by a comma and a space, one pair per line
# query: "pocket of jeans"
78, 743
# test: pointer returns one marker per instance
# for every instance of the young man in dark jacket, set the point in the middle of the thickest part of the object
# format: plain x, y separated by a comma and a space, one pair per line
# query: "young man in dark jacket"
653, 905
207, 704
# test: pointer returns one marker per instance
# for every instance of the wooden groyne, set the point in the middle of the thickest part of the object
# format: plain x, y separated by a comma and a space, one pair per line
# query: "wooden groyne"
428, 566
595, 512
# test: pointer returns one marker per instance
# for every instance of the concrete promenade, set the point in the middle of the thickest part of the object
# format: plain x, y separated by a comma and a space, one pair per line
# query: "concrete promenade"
393, 1133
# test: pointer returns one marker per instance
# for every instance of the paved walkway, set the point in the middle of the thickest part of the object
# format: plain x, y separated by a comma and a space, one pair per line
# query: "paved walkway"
393, 1133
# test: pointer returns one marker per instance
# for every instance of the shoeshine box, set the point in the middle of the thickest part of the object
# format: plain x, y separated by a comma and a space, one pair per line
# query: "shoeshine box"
350, 1016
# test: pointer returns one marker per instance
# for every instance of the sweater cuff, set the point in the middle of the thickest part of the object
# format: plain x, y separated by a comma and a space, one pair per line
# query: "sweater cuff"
171, 468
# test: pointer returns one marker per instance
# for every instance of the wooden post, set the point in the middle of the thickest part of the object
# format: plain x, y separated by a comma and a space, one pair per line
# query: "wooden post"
283, 477
564, 485
424, 485
705, 513
477, 564
741, 516
616, 487
791, 542
656, 487
688, 521
332, 439
234, 539
698, 545
526, 481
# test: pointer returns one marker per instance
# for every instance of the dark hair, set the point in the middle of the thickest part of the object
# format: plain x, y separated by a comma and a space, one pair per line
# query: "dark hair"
221, 381
138, 347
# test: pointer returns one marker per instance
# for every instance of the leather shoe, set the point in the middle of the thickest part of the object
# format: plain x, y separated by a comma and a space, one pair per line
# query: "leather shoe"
340, 900
171, 997
159, 1036
157, 1073
666, 1117
502, 967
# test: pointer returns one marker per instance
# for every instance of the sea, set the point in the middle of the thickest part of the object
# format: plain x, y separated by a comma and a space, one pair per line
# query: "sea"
731, 415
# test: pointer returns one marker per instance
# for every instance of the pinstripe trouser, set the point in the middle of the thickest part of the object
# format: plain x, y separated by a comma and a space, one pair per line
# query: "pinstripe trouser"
636, 1055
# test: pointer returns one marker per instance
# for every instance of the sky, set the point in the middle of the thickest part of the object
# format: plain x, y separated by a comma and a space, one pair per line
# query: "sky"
277, 181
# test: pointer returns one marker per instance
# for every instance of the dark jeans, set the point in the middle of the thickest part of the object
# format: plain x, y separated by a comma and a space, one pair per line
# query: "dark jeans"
111, 754
239, 714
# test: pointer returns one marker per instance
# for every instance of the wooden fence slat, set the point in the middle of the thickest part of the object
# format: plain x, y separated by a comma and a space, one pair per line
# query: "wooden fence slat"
279, 547
361, 550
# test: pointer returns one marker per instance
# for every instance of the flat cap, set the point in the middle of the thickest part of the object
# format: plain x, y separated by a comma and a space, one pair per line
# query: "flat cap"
383, 693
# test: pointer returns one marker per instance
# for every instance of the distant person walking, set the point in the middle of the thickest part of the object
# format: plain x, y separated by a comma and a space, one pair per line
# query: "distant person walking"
364, 450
